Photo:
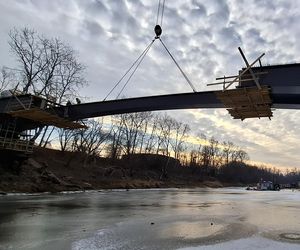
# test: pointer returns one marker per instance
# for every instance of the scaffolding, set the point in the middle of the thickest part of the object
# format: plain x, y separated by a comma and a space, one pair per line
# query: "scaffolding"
18, 108
243, 103
249, 99
19, 145
11, 139
40, 110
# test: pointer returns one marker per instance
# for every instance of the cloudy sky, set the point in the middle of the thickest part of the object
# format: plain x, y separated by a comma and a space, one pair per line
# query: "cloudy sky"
203, 36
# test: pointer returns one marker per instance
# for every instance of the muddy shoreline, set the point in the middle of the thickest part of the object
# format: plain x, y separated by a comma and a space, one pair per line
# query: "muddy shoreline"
54, 171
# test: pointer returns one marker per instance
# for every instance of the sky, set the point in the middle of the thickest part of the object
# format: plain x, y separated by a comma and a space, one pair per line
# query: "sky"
109, 35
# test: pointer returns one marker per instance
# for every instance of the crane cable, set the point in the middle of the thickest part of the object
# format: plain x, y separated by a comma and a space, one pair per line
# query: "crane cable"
134, 63
158, 32
160, 12
139, 60
180, 69
138, 64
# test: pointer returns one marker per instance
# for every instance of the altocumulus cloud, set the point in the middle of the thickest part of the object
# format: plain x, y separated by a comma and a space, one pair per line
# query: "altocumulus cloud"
203, 36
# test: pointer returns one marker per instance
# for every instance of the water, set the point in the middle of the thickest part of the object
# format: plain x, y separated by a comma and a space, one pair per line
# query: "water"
230, 218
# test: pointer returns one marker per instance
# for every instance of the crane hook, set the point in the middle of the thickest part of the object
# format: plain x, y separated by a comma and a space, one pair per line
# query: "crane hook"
158, 31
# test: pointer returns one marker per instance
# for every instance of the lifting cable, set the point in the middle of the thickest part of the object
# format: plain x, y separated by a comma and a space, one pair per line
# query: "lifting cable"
180, 69
134, 63
160, 12
139, 60
142, 58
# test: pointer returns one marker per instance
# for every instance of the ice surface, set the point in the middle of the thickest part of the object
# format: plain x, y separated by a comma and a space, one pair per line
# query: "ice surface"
229, 218
252, 243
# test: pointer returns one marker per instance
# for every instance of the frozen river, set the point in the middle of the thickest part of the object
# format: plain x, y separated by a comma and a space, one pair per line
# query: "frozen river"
230, 218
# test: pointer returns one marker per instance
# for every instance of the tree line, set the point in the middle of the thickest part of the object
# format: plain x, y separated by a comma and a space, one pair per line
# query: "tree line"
149, 133
160, 134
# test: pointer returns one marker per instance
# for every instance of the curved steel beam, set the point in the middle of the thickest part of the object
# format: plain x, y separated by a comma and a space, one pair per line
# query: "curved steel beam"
199, 100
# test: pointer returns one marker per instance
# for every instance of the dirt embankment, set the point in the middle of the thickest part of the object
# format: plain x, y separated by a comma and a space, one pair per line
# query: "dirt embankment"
54, 171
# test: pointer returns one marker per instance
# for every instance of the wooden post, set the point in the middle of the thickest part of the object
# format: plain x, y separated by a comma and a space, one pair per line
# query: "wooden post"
244, 71
250, 70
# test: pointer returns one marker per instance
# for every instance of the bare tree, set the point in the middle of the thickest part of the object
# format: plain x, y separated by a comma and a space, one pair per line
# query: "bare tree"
235, 154
242, 156
115, 148
228, 148
166, 124
69, 78
199, 147
6, 79
143, 136
205, 156
47, 67
90, 141
27, 47
214, 149
180, 131
152, 136
193, 157
129, 132
65, 137
133, 130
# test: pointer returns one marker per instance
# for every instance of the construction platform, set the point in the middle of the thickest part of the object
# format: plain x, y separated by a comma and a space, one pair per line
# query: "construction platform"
38, 109
17, 110
248, 102
47, 118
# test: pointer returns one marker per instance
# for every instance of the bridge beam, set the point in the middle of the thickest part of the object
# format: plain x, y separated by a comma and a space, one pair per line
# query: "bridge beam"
285, 98
151, 103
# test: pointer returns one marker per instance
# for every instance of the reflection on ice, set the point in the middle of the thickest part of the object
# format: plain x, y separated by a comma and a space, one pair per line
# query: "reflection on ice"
191, 230
252, 243
152, 219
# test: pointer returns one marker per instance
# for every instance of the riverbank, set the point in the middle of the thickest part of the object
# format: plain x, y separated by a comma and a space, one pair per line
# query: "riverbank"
50, 170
